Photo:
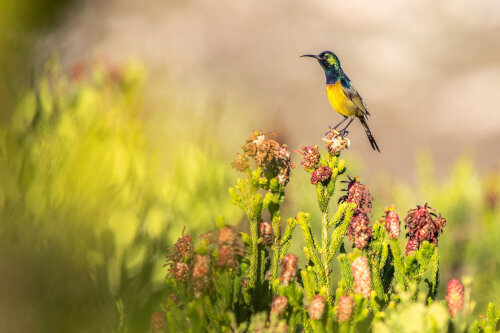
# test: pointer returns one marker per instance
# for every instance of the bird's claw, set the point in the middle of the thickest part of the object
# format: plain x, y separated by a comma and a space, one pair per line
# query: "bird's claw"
344, 133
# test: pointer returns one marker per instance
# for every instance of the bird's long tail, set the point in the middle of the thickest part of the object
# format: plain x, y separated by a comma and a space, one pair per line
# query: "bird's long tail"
369, 134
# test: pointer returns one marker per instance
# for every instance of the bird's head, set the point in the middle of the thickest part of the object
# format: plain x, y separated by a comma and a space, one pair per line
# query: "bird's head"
328, 60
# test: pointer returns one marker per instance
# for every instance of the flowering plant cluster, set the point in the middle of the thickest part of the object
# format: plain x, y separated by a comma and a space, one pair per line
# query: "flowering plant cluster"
248, 282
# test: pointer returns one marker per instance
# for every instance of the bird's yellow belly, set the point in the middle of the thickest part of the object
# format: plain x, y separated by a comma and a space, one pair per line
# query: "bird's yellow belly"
339, 100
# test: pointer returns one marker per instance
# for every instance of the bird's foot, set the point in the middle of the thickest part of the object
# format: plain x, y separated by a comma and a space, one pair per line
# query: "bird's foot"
344, 132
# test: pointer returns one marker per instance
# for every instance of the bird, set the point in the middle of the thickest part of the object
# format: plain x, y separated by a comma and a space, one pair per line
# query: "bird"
342, 94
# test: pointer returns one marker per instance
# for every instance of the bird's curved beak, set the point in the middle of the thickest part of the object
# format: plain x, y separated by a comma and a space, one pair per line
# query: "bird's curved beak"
310, 55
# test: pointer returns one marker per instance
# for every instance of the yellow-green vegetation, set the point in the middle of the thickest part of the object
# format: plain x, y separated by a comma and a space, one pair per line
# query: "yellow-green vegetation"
470, 199
86, 210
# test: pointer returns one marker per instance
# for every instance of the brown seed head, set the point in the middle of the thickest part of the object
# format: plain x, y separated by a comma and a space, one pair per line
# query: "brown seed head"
360, 195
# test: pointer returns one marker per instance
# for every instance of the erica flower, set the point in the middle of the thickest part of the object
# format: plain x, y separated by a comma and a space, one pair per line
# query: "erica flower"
201, 270
344, 310
322, 175
455, 297
359, 230
359, 194
229, 246
289, 268
392, 224
361, 277
158, 323
178, 260
310, 157
423, 224
278, 306
241, 163
317, 307
411, 246
335, 142
266, 233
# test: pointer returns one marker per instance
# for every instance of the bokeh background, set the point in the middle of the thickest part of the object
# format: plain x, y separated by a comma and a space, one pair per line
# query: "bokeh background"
120, 118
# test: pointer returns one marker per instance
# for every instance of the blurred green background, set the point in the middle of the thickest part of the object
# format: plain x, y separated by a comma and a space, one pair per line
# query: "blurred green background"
120, 119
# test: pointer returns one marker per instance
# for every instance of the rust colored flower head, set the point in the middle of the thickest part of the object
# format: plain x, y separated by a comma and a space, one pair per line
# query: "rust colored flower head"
183, 249
321, 175
266, 233
335, 142
455, 297
422, 224
359, 231
359, 194
180, 271
226, 257
229, 247
178, 261
278, 306
411, 246
344, 310
317, 307
310, 158
392, 223
201, 266
227, 235
201, 270
158, 323
361, 277
241, 163
289, 266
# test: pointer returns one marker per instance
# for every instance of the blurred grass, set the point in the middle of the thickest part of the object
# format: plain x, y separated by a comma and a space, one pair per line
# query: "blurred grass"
87, 211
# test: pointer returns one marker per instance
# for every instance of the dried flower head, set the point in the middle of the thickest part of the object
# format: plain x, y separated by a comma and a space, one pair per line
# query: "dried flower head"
321, 175
411, 246
361, 277
268, 154
158, 323
392, 223
278, 306
310, 158
359, 194
359, 231
335, 142
423, 224
289, 268
455, 297
266, 233
344, 310
241, 163
317, 307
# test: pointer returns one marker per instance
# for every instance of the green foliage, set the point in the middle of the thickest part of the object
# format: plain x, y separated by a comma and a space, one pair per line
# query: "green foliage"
86, 212
380, 289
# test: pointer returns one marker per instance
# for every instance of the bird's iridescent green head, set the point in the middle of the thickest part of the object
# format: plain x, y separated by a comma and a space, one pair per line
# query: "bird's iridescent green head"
330, 63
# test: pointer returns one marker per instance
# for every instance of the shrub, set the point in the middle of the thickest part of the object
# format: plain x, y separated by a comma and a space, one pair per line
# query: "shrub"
239, 282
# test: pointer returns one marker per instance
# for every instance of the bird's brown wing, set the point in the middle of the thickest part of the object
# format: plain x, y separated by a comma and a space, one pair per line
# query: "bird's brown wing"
353, 95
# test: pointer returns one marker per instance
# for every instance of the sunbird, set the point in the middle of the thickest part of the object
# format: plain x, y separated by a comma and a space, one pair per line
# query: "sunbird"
342, 95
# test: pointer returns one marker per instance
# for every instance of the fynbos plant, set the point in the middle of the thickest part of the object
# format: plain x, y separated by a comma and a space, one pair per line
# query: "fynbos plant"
248, 282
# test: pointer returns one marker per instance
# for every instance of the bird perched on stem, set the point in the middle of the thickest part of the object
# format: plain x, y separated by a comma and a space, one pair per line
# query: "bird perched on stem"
343, 97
